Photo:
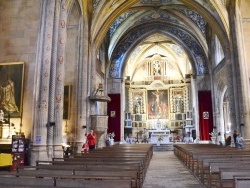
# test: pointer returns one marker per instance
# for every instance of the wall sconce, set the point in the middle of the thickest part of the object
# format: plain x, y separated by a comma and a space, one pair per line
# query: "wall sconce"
50, 124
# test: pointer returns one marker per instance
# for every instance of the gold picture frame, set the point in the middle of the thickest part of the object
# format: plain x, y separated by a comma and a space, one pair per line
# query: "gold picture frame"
158, 104
11, 88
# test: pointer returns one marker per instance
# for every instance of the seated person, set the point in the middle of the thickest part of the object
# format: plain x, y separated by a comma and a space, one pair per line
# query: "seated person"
239, 141
129, 139
187, 139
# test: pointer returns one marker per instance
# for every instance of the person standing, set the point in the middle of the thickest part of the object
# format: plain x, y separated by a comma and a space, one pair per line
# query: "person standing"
91, 140
235, 136
85, 145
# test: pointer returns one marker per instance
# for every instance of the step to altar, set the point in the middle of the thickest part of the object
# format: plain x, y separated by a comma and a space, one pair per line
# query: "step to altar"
163, 147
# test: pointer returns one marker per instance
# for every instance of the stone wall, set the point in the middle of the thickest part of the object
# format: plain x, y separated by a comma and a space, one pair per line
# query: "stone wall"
19, 29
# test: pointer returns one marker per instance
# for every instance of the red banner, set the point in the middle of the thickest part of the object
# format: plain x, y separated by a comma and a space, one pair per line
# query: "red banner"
205, 114
114, 113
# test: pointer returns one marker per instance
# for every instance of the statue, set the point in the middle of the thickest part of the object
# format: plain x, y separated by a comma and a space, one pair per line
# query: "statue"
138, 106
158, 125
1, 115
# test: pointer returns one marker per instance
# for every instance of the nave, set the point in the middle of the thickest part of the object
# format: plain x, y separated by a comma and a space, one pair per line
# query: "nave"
167, 171
138, 166
162, 170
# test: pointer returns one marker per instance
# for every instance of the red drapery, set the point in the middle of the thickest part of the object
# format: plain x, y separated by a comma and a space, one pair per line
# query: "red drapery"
205, 114
114, 113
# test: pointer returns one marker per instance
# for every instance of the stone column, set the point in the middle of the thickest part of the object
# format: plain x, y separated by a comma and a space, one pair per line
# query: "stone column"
195, 107
52, 124
59, 81
83, 85
40, 150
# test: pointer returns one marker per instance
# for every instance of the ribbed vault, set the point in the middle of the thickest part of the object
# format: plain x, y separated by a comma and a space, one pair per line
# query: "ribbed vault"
186, 23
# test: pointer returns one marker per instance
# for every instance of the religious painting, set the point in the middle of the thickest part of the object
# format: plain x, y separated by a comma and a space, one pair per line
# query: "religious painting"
172, 124
11, 88
178, 116
177, 101
176, 124
138, 102
138, 117
157, 104
189, 115
66, 102
128, 124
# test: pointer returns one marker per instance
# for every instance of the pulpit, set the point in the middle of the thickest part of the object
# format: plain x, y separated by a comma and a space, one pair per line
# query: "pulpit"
99, 123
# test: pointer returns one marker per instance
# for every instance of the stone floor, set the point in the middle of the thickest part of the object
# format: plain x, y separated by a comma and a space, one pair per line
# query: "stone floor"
167, 171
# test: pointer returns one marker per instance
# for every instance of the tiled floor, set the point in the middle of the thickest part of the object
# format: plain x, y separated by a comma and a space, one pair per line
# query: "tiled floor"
167, 171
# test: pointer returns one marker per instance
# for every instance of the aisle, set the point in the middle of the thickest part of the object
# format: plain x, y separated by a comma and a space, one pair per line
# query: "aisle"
166, 171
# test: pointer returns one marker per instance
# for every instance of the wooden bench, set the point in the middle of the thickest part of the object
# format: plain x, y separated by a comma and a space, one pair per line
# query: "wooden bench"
25, 181
123, 174
205, 168
227, 175
213, 176
199, 158
65, 181
106, 168
241, 181
202, 159
116, 166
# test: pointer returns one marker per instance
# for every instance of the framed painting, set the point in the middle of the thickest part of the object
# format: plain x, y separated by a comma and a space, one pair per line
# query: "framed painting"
112, 114
177, 100
139, 101
11, 88
158, 104
66, 102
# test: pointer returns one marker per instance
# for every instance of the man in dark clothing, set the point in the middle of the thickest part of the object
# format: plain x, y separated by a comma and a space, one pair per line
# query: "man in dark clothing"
235, 136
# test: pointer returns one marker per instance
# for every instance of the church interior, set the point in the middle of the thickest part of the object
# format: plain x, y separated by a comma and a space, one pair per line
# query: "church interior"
144, 70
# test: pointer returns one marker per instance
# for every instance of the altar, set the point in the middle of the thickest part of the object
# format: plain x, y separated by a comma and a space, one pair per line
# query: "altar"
6, 131
156, 134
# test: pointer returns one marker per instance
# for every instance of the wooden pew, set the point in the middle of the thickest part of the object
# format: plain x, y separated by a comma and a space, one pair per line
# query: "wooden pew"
205, 168
25, 181
213, 176
195, 157
66, 181
227, 175
91, 174
144, 163
203, 158
241, 181
97, 166
118, 166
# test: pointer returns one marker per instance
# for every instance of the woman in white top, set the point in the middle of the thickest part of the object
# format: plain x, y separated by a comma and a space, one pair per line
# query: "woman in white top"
239, 141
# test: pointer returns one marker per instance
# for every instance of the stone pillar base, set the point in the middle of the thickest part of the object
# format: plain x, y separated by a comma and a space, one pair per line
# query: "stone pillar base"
44, 153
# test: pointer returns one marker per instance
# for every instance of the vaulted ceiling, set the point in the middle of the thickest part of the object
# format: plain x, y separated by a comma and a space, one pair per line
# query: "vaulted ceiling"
170, 27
